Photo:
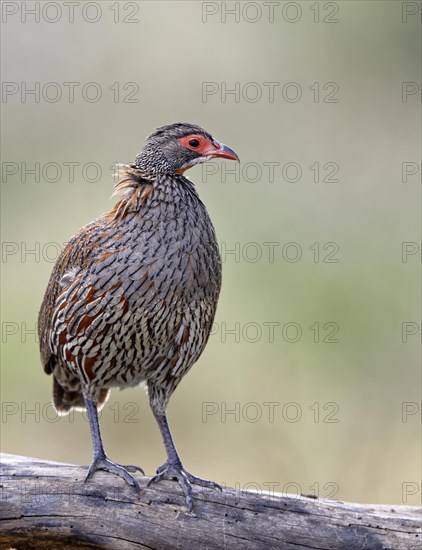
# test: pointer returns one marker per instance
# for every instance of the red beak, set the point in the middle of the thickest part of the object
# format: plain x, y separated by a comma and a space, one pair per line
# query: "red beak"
222, 151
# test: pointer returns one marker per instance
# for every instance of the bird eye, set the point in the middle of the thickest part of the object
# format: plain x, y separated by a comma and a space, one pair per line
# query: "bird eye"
194, 142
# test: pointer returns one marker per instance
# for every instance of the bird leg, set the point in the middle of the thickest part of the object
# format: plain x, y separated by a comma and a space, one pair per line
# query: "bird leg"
100, 460
173, 468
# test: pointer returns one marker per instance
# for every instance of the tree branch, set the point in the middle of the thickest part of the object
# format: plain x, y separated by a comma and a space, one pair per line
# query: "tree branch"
47, 505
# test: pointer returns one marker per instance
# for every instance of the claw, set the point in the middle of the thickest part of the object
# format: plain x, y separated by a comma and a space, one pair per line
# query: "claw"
133, 469
184, 478
103, 463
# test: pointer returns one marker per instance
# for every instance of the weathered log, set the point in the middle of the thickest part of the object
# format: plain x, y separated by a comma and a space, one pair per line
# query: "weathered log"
47, 505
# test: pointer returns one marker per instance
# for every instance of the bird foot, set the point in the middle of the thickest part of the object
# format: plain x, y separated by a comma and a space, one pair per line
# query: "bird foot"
175, 471
103, 463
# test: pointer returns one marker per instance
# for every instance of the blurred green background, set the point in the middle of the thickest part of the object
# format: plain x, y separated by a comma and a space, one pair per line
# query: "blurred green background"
336, 427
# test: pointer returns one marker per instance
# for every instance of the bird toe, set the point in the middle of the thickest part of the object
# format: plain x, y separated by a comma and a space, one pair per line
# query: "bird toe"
103, 463
185, 479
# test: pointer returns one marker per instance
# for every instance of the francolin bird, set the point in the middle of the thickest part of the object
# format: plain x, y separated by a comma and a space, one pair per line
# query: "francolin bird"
133, 295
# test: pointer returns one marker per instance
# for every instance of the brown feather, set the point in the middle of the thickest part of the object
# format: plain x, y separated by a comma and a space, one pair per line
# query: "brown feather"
136, 185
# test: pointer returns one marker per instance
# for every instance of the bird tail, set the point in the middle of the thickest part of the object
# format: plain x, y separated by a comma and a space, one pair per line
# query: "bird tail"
65, 400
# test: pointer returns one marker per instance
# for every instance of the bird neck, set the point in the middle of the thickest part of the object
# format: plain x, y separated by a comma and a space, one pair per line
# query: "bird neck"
135, 185
153, 161
138, 187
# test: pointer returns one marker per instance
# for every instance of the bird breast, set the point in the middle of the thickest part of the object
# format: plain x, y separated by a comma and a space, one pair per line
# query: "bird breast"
170, 242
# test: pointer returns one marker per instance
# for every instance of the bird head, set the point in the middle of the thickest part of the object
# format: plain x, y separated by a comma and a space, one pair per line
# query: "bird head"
174, 148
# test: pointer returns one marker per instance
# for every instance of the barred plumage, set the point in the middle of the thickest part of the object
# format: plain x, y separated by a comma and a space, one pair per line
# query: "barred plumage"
133, 295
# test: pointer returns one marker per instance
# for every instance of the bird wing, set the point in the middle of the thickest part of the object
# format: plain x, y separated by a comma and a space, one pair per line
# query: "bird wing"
91, 246
102, 286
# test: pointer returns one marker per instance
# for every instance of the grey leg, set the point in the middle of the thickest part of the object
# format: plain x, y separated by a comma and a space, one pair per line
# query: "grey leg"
100, 460
173, 468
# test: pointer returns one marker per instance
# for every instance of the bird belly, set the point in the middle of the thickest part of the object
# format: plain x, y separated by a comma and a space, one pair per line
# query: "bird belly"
134, 342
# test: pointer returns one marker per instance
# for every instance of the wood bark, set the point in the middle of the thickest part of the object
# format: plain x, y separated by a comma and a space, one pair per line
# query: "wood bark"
47, 505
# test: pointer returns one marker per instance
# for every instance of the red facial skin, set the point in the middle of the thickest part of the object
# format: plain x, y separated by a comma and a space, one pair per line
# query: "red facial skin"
207, 148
